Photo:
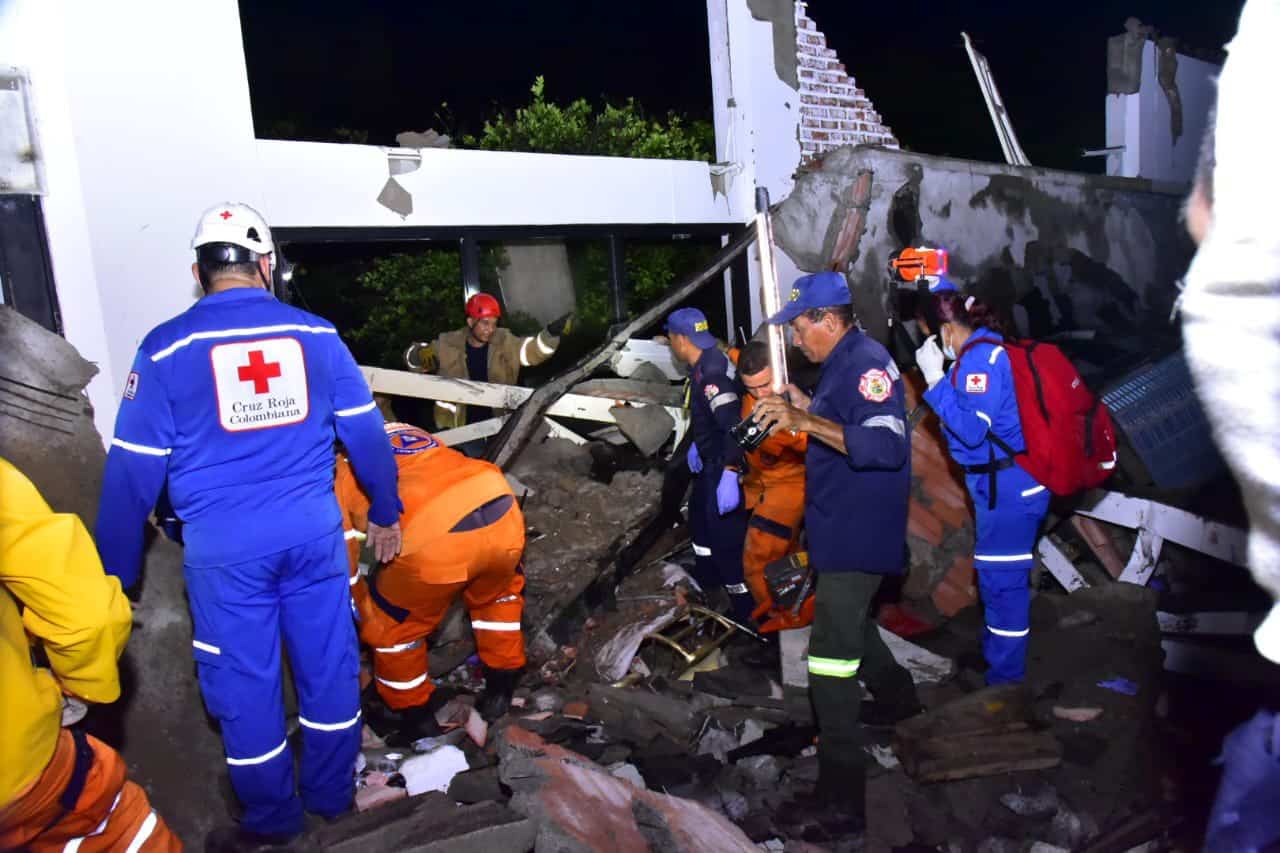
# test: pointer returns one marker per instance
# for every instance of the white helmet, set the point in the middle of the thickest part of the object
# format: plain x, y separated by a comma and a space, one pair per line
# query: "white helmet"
238, 224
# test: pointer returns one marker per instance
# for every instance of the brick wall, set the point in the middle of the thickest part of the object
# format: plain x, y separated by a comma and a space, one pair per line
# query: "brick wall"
833, 110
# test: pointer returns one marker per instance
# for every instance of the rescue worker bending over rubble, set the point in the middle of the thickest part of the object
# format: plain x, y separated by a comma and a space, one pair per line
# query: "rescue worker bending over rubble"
717, 522
237, 403
773, 486
61, 788
463, 534
975, 402
857, 478
485, 353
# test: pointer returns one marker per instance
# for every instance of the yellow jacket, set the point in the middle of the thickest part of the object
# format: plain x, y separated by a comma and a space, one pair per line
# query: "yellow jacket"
55, 593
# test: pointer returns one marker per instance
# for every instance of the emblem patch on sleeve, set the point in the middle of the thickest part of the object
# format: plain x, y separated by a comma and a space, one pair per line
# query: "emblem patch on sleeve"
260, 384
711, 390
976, 383
131, 385
875, 385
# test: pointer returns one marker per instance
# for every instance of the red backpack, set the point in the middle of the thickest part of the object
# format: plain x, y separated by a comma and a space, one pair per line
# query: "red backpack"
1071, 442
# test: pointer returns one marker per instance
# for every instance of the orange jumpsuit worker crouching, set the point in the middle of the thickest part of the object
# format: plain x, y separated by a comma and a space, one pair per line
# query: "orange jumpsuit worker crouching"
60, 788
463, 533
773, 487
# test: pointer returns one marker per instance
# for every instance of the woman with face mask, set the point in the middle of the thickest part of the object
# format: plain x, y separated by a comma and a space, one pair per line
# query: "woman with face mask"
978, 408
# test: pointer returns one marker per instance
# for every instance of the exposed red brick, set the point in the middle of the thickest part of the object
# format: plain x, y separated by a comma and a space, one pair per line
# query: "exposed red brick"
924, 524
958, 588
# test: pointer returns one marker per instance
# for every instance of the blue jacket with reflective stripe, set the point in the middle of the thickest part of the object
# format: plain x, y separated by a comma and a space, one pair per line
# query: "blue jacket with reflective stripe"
714, 407
855, 508
981, 400
236, 403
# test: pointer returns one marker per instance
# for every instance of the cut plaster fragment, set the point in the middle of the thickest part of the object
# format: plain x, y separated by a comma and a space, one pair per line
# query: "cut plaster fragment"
396, 198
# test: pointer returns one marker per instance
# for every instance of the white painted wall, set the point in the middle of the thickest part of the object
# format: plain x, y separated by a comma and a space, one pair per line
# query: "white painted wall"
757, 119
144, 116
1140, 122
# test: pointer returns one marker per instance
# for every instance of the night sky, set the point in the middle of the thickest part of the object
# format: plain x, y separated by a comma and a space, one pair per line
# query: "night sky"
383, 67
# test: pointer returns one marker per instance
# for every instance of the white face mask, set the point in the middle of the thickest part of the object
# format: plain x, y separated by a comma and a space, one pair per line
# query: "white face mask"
947, 350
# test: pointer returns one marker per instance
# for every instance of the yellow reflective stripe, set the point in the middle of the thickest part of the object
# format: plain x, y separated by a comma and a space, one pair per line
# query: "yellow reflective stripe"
834, 667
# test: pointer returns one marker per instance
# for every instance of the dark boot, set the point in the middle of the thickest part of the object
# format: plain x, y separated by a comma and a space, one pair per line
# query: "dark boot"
233, 839
499, 684
883, 715
837, 808
402, 726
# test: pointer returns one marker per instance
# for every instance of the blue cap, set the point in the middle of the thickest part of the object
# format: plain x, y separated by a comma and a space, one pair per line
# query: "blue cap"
691, 323
940, 284
818, 290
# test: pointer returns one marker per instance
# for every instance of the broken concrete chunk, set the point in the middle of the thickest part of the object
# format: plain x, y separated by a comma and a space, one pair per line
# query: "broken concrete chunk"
925, 666
476, 786
423, 139
647, 427
752, 730
433, 771
1041, 805
578, 806
628, 773
426, 824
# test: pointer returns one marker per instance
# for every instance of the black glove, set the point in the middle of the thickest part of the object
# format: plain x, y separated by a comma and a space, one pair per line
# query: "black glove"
560, 325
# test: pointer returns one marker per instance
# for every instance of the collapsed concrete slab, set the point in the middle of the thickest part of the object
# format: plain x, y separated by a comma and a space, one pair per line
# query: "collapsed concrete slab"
46, 422
1077, 251
431, 823
577, 805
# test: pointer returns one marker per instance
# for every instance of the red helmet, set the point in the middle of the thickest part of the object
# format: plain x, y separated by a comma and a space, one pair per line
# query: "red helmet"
483, 305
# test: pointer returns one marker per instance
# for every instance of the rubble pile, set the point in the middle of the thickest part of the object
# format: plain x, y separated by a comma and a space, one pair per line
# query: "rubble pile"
633, 749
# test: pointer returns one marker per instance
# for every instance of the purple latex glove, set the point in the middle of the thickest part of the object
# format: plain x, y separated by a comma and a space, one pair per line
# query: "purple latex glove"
694, 460
728, 495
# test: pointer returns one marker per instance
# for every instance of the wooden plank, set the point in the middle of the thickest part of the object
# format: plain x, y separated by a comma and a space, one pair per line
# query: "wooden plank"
946, 758
999, 709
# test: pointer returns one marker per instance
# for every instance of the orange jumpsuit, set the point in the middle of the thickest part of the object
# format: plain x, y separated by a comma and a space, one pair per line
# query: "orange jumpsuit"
463, 532
773, 492
60, 791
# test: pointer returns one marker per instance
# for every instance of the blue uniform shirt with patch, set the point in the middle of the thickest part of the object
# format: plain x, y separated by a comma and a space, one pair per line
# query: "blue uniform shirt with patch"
976, 397
856, 502
236, 403
714, 408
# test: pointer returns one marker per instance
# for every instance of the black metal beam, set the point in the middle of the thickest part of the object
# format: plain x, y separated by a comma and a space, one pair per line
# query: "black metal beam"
500, 233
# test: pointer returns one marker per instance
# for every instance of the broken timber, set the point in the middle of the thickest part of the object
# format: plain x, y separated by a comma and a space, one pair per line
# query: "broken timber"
983, 734
523, 423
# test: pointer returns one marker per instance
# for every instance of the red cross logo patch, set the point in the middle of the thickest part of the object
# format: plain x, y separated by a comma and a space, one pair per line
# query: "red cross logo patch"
260, 384
226, 214
976, 383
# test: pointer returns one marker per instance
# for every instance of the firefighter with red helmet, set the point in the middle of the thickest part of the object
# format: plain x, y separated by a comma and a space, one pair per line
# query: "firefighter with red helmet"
482, 352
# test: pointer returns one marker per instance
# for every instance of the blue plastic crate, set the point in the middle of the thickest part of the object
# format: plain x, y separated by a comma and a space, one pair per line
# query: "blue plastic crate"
1157, 410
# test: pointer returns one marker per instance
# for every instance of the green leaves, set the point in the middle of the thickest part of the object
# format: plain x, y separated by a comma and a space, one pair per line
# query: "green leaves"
579, 128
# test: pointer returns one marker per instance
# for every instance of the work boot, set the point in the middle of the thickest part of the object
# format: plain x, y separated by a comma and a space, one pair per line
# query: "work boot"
403, 726
885, 715
499, 684
837, 807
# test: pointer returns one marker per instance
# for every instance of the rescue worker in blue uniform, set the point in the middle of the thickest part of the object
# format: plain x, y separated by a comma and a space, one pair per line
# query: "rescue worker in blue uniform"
717, 520
857, 479
976, 400
236, 404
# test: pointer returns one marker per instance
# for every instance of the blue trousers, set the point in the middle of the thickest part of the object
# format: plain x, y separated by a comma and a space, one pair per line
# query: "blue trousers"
1003, 557
717, 544
240, 613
